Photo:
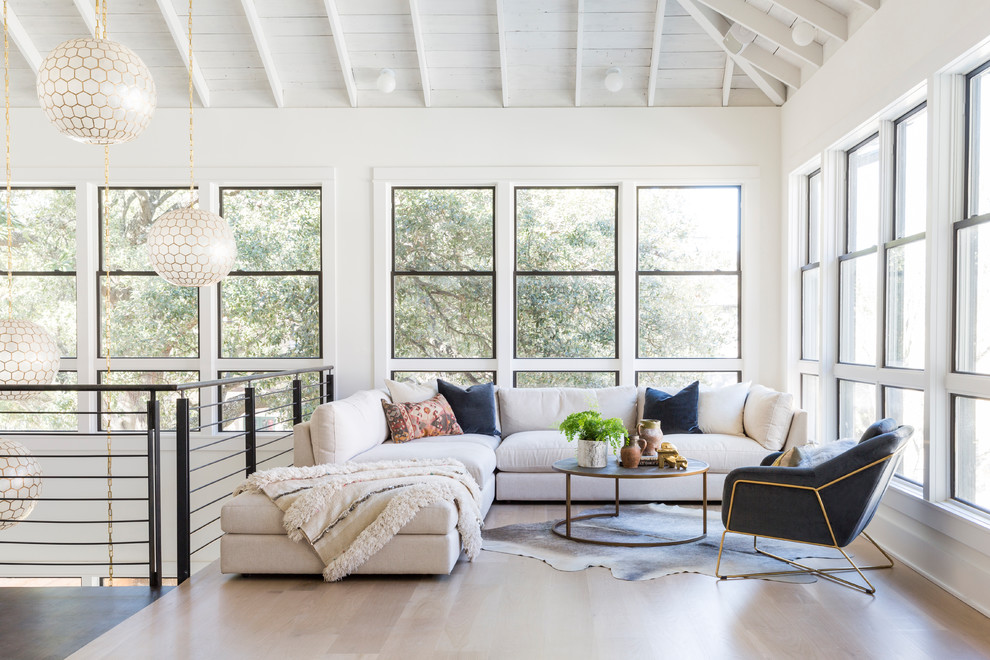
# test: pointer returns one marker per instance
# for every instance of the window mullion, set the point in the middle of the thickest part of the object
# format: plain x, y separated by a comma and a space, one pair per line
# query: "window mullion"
505, 323
209, 322
87, 298
627, 266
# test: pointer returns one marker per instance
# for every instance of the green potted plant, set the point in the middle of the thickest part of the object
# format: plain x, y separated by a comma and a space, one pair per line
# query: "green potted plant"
594, 434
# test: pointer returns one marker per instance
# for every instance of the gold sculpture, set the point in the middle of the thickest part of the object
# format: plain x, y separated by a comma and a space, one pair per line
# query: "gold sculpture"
670, 458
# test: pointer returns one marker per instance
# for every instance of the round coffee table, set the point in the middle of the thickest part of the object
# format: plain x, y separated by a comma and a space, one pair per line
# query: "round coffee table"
613, 470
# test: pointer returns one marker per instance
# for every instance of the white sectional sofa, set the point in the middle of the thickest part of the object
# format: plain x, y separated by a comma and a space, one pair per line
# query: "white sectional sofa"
515, 467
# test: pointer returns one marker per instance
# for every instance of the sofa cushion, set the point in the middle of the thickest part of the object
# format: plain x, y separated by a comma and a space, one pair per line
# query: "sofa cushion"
767, 416
402, 391
408, 421
721, 451
342, 429
542, 409
720, 409
809, 456
476, 457
533, 451
474, 407
254, 513
678, 413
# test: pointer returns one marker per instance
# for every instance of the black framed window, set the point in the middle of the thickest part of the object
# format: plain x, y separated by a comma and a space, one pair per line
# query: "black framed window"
566, 278
270, 303
809, 402
907, 406
460, 378
128, 410
689, 277
811, 269
857, 407
679, 379
149, 318
273, 400
443, 273
566, 378
971, 451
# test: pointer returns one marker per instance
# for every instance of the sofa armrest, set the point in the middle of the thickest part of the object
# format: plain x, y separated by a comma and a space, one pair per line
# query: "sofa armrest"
302, 445
797, 435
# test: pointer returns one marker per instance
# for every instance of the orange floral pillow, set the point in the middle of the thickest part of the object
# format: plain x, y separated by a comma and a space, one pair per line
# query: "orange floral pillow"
408, 421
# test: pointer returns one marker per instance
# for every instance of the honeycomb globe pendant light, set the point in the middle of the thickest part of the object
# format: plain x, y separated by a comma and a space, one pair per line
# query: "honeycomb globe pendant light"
191, 246
28, 354
95, 90
20, 483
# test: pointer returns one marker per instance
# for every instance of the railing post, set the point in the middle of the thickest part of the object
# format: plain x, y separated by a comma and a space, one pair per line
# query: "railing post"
250, 433
183, 508
297, 408
328, 387
154, 493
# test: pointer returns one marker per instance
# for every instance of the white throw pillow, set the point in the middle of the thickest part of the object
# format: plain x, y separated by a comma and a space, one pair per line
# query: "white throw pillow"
410, 391
720, 410
767, 416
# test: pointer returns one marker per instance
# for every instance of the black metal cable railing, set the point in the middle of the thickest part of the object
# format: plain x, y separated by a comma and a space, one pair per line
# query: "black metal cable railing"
244, 424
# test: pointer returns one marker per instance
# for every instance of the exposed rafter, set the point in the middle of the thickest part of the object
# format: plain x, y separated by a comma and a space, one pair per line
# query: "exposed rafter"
23, 42
776, 66
88, 14
343, 57
580, 53
727, 80
869, 4
820, 15
503, 61
716, 27
264, 50
767, 27
178, 32
655, 53
424, 69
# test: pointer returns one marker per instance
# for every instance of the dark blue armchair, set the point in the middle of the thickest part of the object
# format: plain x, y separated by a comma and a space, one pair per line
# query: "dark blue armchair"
826, 505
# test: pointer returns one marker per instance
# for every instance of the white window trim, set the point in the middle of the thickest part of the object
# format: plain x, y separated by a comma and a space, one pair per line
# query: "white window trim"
504, 179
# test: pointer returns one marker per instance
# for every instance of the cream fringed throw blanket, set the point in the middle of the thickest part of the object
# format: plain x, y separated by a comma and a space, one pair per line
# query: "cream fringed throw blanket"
349, 511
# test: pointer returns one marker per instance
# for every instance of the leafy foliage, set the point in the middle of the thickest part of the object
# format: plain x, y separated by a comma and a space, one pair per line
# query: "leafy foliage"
271, 316
129, 411
460, 378
693, 229
276, 229
565, 316
688, 316
589, 425
442, 316
448, 229
565, 378
561, 229
682, 378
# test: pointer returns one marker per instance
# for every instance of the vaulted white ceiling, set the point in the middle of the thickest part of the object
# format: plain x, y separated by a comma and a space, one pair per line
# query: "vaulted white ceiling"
454, 53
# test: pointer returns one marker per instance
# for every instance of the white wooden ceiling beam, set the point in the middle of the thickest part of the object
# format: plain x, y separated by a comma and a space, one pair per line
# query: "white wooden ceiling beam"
23, 41
88, 13
820, 15
264, 50
767, 27
716, 26
503, 61
727, 80
655, 53
424, 70
343, 57
776, 66
178, 32
869, 4
580, 53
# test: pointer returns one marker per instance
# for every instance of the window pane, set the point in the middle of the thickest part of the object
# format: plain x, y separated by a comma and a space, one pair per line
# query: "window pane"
559, 229
908, 407
275, 229
49, 301
971, 447
44, 229
461, 378
814, 216
568, 316
272, 400
911, 204
863, 196
972, 301
443, 316
129, 410
566, 378
270, 316
858, 310
979, 141
444, 229
150, 318
45, 411
131, 213
689, 316
683, 378
809, 403
857, 408
906, 306
809, 314
689, 228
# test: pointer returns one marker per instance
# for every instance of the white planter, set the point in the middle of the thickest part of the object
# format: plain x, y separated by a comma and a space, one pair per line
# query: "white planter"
591, 454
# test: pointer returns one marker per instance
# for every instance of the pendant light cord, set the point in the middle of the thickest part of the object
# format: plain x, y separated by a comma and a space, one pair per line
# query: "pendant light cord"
100, 32
6, 116
192, 177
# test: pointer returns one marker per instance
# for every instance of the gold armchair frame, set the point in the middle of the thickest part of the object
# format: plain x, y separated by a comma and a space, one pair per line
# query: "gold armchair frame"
825, 573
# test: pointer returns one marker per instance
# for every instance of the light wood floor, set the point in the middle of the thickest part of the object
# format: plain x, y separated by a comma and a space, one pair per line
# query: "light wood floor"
503, 606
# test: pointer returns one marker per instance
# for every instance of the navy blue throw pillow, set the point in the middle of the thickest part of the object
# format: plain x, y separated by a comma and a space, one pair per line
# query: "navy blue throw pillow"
678, 413
473, 407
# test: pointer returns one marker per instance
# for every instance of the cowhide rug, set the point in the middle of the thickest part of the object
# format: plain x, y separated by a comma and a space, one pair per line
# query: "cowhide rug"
660, 522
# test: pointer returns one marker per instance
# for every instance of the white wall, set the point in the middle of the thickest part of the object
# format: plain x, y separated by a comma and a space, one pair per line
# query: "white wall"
902, 46
353, 141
